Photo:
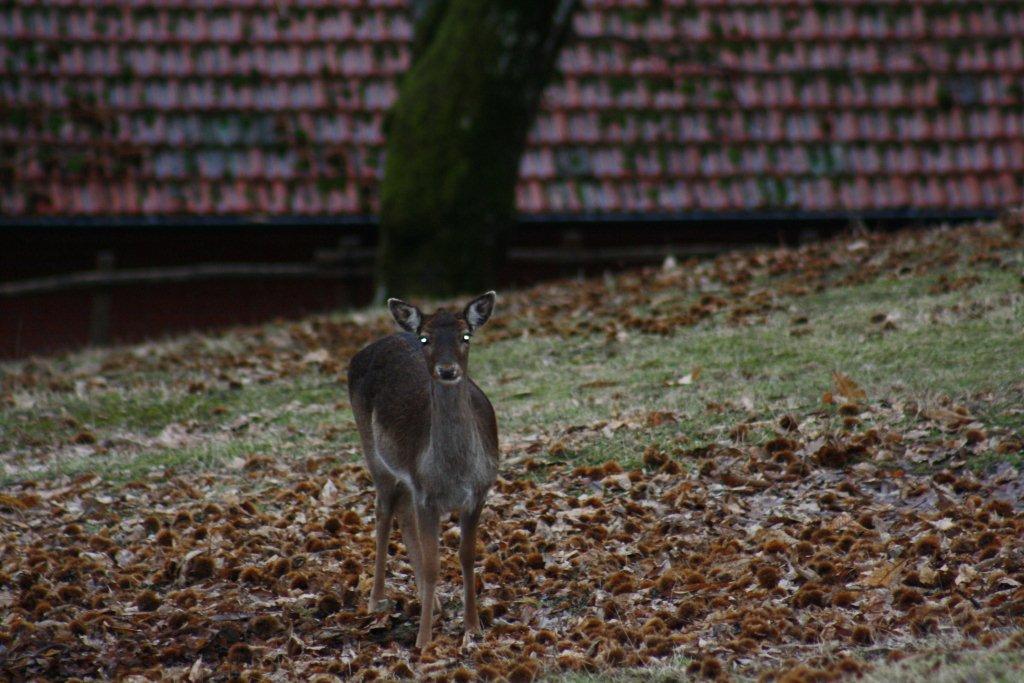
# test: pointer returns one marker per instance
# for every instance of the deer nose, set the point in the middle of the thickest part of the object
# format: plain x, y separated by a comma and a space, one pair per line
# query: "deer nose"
449, 372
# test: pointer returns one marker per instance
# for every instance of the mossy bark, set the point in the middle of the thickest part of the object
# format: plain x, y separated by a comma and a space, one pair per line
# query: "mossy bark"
455, 137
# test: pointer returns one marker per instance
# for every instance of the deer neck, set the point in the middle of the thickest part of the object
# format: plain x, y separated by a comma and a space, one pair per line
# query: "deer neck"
452, 427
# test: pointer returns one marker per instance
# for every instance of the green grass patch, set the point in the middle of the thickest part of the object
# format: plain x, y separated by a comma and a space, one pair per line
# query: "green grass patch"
954, 666
762, 371
961, 345
120, 467
126, 428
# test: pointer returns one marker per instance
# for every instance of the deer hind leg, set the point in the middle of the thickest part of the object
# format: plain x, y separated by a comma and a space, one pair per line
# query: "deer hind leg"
427, 529
468, 522
385, 513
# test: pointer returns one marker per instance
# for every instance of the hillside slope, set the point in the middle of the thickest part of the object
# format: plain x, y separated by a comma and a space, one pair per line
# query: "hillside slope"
772, 460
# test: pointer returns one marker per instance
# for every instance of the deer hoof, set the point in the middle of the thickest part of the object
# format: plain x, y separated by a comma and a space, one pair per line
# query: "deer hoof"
382, 605
422, 641
471, 639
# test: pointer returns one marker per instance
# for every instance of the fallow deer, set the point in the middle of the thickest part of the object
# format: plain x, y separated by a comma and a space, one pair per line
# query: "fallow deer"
430, 440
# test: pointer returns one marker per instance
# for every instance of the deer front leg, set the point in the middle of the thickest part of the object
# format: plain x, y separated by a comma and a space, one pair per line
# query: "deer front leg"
385, 511
427, 529
467, 555
407, 521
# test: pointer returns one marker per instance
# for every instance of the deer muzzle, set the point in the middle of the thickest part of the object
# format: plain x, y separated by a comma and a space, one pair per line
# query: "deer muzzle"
448, 373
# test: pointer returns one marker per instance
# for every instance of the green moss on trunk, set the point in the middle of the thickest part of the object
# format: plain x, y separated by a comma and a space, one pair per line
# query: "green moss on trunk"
454, 141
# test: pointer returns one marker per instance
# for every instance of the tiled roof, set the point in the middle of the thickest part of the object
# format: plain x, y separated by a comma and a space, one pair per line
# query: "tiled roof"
276, 107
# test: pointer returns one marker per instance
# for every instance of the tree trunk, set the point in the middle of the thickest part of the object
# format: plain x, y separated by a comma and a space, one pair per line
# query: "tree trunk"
454, 139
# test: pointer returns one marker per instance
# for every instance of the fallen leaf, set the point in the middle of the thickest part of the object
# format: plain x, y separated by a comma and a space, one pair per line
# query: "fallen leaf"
883, 576
847, 387
688, 378
329, 493
197, 672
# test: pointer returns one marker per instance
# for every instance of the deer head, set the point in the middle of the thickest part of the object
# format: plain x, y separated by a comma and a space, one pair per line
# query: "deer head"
444, 336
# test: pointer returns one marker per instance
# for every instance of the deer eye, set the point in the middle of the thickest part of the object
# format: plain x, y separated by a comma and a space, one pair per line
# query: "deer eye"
466, 337
424, 340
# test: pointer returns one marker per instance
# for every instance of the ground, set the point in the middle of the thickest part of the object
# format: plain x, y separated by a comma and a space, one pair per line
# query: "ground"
795, 464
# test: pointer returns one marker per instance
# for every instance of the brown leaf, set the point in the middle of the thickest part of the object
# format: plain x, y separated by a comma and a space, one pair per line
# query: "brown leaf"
847, 387
884, 576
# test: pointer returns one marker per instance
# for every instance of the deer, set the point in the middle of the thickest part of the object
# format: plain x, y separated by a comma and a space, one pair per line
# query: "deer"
430, 441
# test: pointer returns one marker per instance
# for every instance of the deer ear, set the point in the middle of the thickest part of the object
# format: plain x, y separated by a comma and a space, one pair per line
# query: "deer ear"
479, 310
406, 315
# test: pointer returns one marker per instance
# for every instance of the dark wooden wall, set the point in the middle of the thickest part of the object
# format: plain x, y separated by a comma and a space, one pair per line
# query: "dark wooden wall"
290, 268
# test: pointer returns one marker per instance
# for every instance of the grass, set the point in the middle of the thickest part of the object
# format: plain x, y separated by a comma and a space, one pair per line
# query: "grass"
125, 435
757, 373
954, 666
120, 468
961, 345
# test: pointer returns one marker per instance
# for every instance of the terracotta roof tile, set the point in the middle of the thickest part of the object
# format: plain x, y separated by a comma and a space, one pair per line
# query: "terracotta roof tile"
259, 106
